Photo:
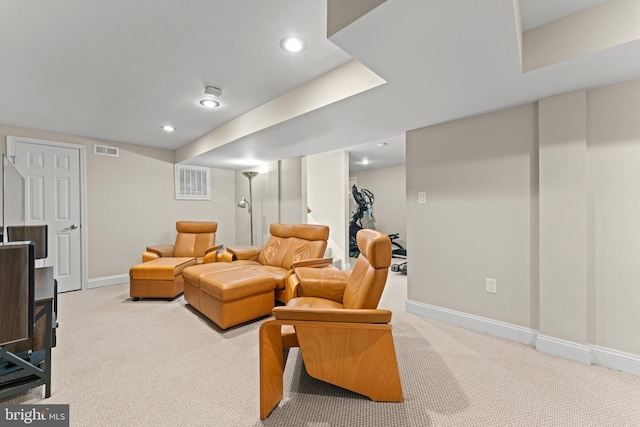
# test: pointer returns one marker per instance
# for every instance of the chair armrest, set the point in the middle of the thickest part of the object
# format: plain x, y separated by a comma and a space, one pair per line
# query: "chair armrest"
342, 315
291, 287
245, 252
161, 250
149, 256
211, 253
328, 283
224, 256
314, 262
213, 249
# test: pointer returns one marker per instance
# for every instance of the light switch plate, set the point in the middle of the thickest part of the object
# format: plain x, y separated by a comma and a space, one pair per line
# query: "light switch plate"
422, 197
491, 286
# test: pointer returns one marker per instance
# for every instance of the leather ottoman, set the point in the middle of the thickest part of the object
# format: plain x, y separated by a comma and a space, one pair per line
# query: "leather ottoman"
229, 294
160, 278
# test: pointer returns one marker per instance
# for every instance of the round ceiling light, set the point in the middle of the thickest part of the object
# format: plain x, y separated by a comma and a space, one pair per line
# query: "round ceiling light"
209, 103
168, 128
293, 44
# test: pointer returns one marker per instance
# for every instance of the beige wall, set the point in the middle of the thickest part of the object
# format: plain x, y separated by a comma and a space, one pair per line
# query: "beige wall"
277, 197
388, 187
130, 202
327, 196
563, 217
546, 199
477, 175
613, 176
293, 209
259, 188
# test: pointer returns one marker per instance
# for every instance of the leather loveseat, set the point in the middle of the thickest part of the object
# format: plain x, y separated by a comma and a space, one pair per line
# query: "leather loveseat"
245, 281
289, 246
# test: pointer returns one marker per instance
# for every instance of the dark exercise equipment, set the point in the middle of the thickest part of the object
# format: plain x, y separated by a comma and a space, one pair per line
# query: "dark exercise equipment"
363, 218
399, 268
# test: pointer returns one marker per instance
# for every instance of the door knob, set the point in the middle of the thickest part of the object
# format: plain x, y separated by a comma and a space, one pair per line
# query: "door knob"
73, 226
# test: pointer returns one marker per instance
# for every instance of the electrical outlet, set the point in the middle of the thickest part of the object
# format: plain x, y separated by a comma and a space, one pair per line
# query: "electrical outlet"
491, 286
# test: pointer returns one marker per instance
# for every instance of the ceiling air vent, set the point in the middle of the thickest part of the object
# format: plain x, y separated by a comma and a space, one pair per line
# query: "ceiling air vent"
105, 150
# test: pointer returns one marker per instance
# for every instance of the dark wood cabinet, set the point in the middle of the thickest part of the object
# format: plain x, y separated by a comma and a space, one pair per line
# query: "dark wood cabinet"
25, 355
17, 278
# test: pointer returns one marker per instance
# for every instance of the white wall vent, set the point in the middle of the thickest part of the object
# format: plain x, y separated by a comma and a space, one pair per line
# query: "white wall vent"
193, 183
104, 150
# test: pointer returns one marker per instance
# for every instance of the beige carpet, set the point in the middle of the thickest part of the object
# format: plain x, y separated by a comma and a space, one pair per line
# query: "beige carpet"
158, 363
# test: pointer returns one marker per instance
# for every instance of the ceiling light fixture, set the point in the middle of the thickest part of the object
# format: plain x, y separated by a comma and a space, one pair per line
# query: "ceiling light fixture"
382, 144
365, 162
209, 103
213, 91
168, 128
293, 44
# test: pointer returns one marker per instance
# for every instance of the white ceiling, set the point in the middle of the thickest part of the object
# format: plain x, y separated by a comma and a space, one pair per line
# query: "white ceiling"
117, 70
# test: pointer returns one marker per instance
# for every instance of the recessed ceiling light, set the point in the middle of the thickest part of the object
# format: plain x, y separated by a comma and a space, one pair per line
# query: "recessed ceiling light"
366, 162
209, 103
382, 144
168, 128
293, 44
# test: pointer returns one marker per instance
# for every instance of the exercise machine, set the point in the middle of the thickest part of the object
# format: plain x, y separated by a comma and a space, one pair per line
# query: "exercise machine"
400, 268
364, 218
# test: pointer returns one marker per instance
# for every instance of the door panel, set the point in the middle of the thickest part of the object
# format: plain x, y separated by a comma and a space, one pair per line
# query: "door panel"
62, 199
35, 199
53, 197
63, 249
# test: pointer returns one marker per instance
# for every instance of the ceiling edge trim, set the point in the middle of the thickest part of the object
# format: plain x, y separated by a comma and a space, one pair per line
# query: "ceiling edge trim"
590, 30
341, 14
340, 83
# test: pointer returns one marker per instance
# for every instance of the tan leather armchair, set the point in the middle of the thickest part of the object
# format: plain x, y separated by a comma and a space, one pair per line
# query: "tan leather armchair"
194, 240
333, 317
289, 246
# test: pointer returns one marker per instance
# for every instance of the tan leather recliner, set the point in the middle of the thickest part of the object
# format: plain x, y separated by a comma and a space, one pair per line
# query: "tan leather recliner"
332, 316
289, 246
360, 288
195, 239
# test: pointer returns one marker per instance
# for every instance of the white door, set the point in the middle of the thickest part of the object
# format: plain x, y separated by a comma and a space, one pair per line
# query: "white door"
52, 178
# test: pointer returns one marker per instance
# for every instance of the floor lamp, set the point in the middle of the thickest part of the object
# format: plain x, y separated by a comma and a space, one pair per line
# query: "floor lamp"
249, 204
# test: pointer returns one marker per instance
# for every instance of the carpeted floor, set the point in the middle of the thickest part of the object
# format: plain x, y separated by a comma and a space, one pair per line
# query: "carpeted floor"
158, 363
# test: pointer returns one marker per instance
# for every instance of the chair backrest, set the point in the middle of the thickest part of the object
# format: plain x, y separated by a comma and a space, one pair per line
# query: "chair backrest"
194, 238
369, 274
289, 243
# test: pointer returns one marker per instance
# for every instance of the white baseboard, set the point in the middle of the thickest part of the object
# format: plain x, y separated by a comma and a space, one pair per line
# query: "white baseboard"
587, 354
98, 282
614, 359
562, 348
470, 321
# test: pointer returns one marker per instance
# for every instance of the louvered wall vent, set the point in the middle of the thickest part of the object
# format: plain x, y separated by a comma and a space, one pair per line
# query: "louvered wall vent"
193, 183
105, 150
